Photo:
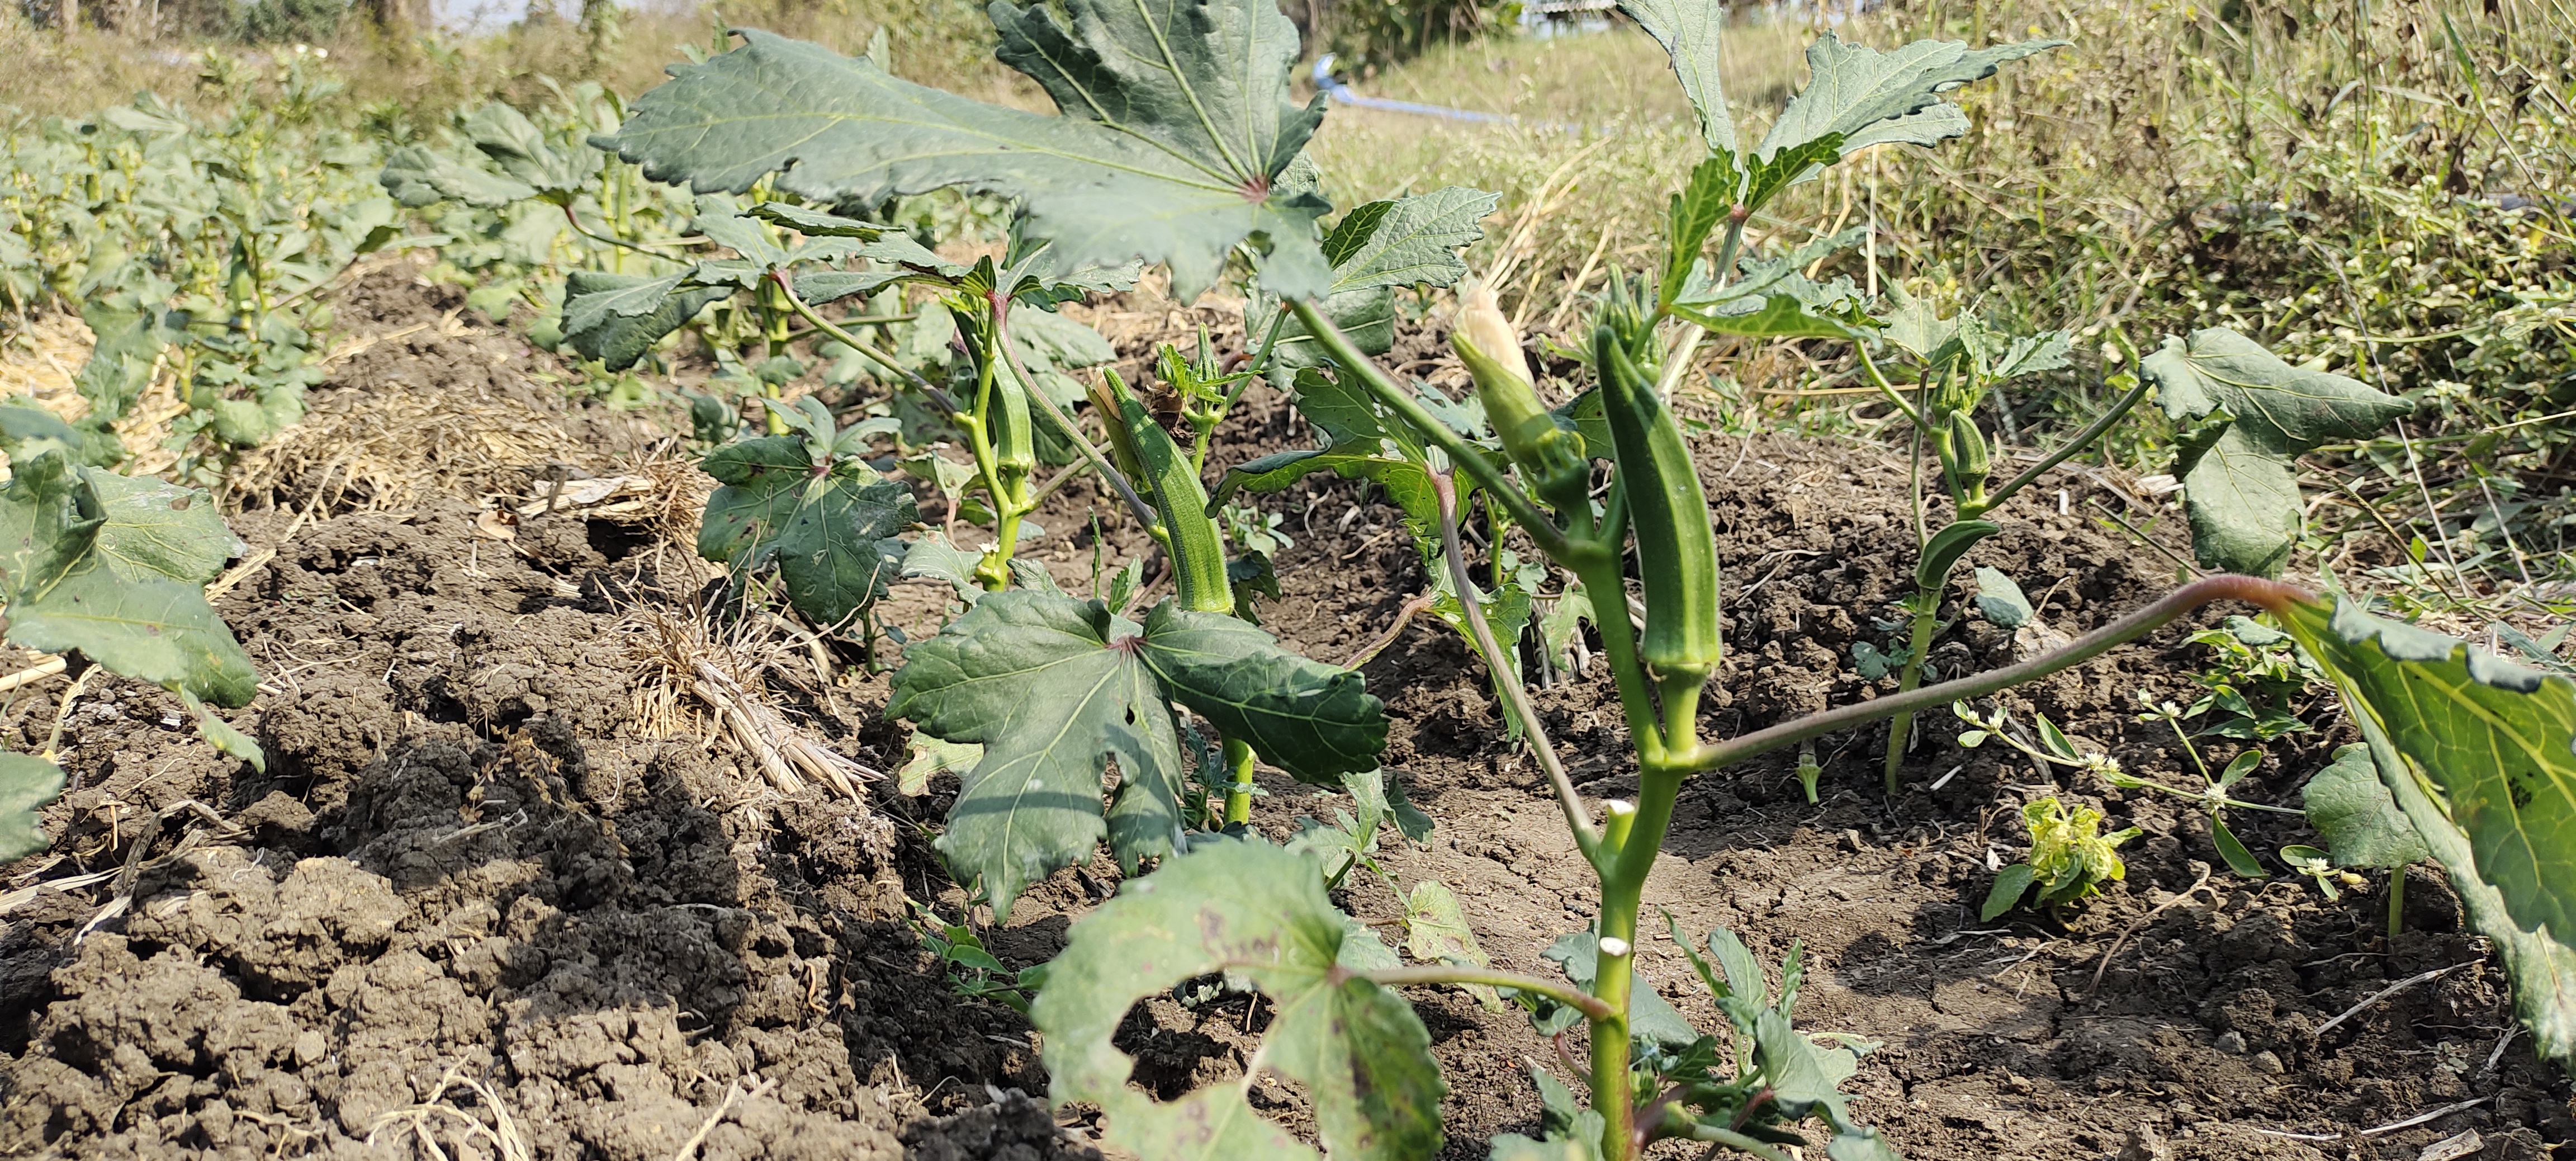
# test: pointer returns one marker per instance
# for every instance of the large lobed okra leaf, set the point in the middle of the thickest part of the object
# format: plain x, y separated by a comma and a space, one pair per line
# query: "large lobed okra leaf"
1177, 126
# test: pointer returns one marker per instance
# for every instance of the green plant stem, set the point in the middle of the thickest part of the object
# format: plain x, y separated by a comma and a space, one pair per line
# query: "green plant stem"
2273, 596
620, 243
1515, 695
1524, 510
1601, 576
1136, 504
938, 399
1238, 789
1927, 617
2396, 902
1571, 997
2092, 431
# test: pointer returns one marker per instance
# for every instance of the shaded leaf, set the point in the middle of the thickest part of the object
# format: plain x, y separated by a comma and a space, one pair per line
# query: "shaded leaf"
2011, 884
2001, 600
1258, 914
1650, 1017
930, 757
1313, 720
2349, 805
1436, 931
616, 318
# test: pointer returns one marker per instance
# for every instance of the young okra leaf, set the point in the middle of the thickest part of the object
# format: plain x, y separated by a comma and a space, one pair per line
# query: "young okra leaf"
616, 318
1873, 98
26, 782
1052, 686
1258, 914
1374, 249
828, 531
1806, 1080
2245, 417
1436, 931
1177, 122
2351, 807
1365, 443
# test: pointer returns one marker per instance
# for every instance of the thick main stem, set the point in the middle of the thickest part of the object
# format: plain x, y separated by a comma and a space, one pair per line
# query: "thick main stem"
1238, 787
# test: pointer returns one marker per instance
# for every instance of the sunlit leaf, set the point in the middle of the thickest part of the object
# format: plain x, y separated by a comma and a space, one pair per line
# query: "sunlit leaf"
1258, 914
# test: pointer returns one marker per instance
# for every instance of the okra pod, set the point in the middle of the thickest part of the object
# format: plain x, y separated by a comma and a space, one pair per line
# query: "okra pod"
1551, 455
1676, 548
1969, 460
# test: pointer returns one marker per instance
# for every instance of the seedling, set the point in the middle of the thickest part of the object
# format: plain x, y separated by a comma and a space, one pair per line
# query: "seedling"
2070, 859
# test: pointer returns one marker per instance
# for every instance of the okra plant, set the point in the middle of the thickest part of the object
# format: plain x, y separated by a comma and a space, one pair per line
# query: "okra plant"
1179, 145
111, 571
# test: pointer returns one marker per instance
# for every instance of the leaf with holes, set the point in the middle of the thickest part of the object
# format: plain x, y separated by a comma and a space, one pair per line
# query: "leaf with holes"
1257, 914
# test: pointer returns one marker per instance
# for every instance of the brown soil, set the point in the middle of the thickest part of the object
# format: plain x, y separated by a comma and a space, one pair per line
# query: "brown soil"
486, 892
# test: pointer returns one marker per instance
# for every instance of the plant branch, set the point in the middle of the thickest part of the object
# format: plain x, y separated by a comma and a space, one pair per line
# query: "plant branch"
2092, 431
1506, 679
2272, 595
620, 243
937, 398
1884, 388
1523, 510
1144, 512
1566, 994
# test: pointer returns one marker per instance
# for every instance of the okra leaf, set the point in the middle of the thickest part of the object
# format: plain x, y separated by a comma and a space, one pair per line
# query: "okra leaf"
1807, 1080
26, 784
1310, 719
1258, 914
1650, 1016
2246, 415
1690, 31
1408, 241
418, 176
1436, 931
2498, 741
2011, 884
827, 534
1177, 121
65, 591
1051, 687
1777, 316
616, 318
2001, 600
2351, 807
1873, 98
155, 530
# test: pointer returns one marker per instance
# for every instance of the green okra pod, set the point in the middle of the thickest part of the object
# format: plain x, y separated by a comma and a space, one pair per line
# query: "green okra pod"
1969, 461
1676, 548
1552, 456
